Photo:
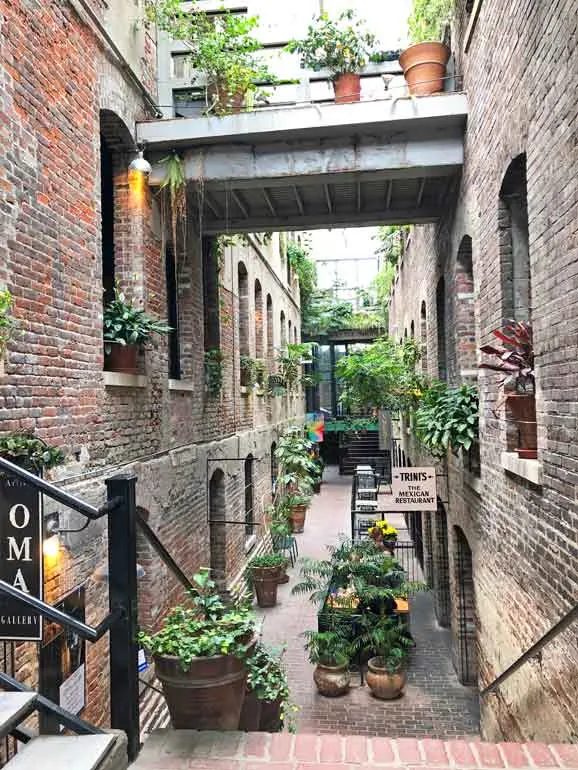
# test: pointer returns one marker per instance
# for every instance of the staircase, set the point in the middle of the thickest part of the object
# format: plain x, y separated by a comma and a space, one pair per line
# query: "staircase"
189, 750
100, 751
359, 448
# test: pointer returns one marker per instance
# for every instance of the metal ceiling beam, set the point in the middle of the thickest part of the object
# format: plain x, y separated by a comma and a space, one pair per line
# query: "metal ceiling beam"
328, 198
240, 205
269, 202
358, 196
299, 201
420, 192
212, 205
388, 194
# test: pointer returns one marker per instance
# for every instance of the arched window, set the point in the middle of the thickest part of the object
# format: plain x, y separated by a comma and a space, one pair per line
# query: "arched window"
412, 330
464, 608
464, 322
274, 468
243, 288
217, 530
441, 328
258, 320
514, 242
270, 329
283, 330
423, 336
249, 501
289, 340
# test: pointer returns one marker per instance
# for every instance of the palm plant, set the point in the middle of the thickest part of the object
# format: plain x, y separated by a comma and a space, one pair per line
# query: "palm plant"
328, 648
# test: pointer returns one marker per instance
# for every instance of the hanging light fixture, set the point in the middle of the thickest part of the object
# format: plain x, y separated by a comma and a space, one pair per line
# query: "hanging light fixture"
140, 164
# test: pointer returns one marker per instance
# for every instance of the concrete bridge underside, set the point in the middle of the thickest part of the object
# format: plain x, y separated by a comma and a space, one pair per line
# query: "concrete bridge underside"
301, 168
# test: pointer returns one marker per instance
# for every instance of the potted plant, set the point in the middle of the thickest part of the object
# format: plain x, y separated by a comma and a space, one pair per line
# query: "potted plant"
296, 472
266, 707
298, 505
29, 452
383, 534
389, 640
265, 573
222, 47
125, 328
424, 62
330, 651
342, 46
516, 361
200, 654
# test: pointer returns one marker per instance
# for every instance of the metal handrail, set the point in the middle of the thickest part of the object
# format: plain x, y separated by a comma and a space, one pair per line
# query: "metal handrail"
90, 511
41, 703
570, 617
154, 540
61, 618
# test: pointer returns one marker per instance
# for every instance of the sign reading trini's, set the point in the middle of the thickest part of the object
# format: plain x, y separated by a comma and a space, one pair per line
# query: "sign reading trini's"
20, 557
414, 489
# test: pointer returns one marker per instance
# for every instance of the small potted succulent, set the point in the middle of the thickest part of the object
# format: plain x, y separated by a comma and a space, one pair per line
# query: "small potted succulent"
330, 651
389, 642
200, 658
265, 573
424, 62
125, 328
516, 362
342, 46
266, 707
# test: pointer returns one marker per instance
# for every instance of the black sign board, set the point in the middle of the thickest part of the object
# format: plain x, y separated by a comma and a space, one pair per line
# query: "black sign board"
20, 557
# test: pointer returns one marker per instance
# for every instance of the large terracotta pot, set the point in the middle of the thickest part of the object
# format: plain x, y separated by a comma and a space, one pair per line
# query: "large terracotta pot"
521, 409
120, 358
331, 681
271, 721
297, 518
250, 719
266, 580
382, 684
347, 88
208, 696
424, 67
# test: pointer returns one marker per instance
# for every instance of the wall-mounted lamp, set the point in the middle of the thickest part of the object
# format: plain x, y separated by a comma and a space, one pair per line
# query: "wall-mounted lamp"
51, 540
140, 164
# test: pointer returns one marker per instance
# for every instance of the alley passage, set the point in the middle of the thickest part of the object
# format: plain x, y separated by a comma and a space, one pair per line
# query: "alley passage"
435, 704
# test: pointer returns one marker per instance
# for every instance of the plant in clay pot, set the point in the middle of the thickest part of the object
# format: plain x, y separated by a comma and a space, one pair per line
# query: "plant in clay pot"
516, 362
267, 707
265, 573
200, 658
125, 329
29, 452
424, 62
296, 473
342, 46
383, 534
389, 643
330, 651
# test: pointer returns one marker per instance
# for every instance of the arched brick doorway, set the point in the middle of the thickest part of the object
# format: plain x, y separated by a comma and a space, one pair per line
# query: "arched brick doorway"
217, 531
464, 611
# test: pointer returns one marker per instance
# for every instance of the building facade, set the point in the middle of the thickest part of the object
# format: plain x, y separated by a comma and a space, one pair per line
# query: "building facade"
501, 552
74, 224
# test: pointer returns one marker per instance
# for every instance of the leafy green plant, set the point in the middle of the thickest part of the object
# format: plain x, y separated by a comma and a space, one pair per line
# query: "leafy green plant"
267, 678
427, 19
328, 648
291, 359
7, 324
253, 371
221, 46
296, 467
214, 371
28, 450
305, 268
341, 45
381, 376
127, 325
386, 638
447, 418
324, 313
205, 629
268, 560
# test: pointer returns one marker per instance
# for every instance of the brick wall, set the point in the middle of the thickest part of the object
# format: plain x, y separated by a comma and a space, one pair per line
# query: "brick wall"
520, 82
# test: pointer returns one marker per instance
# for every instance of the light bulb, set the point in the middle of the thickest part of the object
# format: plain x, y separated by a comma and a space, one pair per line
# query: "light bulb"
51, 547
140, 164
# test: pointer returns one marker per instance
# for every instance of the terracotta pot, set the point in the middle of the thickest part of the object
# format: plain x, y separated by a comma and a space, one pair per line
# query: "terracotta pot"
120, 358
424, 67
331, 681
224, 102
271, 721
297, 518
208, 696
521, 409
382, 684
250, 718
266, 580
347, 88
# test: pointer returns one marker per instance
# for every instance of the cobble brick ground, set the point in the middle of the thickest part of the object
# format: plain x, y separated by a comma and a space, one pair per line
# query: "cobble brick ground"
434, 705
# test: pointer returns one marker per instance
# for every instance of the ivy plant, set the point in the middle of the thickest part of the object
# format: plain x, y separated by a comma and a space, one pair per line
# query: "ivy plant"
290, 360
6, 320
447, 418
30, 451
267, 678
427, 19
253, 372
214, 371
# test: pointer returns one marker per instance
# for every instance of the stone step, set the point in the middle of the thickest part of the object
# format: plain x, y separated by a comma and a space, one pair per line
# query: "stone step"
77, 752
14, 707
187, 749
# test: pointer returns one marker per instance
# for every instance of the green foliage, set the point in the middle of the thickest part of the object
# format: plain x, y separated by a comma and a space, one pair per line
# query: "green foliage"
386, 637
391, 243
267, 678
204, 629
214, 371
6, 319
127, 325
381, 376
30, 451
340, 45
324, 313
427, 19
268, 560
253, 372
447, 417
296, 467
290, 360
222, 46
306, 270
329, 648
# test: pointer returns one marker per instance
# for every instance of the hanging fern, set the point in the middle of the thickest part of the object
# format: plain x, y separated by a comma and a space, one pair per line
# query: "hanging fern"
175, 184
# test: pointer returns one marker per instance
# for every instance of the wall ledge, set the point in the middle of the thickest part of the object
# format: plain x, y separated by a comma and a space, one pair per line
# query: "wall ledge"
531, 470
185, 386
120, 380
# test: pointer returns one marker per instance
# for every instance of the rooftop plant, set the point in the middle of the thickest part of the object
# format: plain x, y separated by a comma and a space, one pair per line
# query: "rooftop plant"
341, 45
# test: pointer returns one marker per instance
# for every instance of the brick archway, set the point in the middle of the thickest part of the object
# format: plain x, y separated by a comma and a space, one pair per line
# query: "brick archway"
464, 624
441, 573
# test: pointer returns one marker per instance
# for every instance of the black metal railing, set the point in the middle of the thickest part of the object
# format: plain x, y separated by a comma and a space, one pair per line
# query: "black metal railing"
121, 621
565, 622
160, 549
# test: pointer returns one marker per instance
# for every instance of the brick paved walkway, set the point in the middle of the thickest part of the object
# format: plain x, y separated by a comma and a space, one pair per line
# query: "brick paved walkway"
187, 750
435, 704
